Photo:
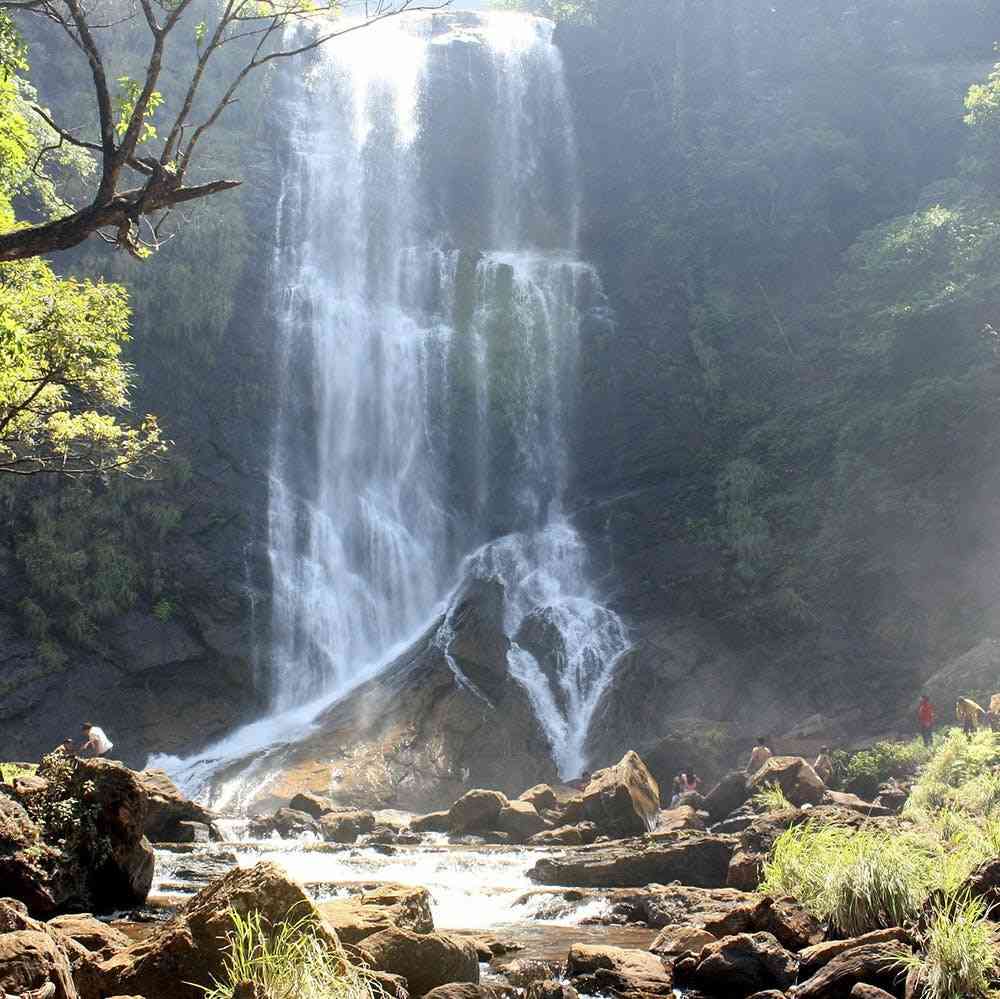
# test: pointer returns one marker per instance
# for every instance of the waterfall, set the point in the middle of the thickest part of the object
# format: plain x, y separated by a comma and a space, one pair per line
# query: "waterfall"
430, 305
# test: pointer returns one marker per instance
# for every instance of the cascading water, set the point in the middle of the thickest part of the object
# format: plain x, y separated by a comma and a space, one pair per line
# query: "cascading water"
431, 309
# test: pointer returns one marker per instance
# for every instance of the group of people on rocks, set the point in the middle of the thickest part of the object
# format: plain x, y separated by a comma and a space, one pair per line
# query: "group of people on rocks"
761, 753
969, 714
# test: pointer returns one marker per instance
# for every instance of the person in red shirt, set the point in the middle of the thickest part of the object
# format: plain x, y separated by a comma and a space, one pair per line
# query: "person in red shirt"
925, 719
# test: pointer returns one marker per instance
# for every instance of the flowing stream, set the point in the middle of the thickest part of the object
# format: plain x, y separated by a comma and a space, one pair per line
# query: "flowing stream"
431, 310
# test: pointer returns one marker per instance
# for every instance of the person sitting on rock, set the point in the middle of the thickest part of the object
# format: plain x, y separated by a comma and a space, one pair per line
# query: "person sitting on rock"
759, 756
969, 714
96, 743
824, 765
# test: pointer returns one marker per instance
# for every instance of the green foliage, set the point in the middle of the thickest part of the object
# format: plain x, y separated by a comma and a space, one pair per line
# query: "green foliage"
863, 771
963, 776
9, 772
129, 92
286, 961
770, 798
958, 956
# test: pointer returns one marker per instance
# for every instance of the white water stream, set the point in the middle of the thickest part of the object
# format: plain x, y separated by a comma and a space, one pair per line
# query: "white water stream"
429, 310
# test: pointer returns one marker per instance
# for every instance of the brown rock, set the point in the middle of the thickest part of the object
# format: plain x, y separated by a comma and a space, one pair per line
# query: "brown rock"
676, 940
432, 822
731, 792
618, 970
791, 924
811, 959
520, 820
746, 871
167, 808
476, 811
698, 859
99, 938
541, 796
798, 781
984, 883
463, 990
29, 959
345, 826
187, 952
675, 819
873, 964
578, 835
745, 963
523, 971
862, 991
622, 800
425, 960
551, 989
355, 919
286, 822
843, 799
312, 804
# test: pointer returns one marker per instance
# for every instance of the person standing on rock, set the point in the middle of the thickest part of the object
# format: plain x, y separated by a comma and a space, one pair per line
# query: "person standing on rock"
96, 743
824, 765
969, 714
925, 719
759, 755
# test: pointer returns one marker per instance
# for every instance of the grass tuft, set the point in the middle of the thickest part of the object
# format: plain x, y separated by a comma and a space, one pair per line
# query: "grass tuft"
770, 798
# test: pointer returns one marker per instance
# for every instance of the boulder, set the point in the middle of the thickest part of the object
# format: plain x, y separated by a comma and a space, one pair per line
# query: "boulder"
675, 819
731, 792
346, 826
525, 970
862, 991
794, 927
194, 832
288, 823
168, 808
745, 963
872, 964
520, 820
23, 873
676, 940
755, 843
425, 960
622, 800
98, 937
185, 953
798, 781
29, 959
892, 796
984, 883
618, 971
578, 835
843, 799
541, 796
355, 919
312, 804
432, 822
463, 990
551, 988
811, 959
476, 811
698, 859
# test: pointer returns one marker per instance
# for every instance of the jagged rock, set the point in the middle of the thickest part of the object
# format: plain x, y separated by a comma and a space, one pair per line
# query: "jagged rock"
312, 804
617, 970
346, 826
540, 635
622, 800
185, 953
843, 799
286, 822
676, 819
811, 959
699, 859
791, 924
520, 820
432, 822
99, 938
745, 963
425, 960
756, 841
167, 808
541, 796
355, 919
193, 832
463, 990
731, 792
676, 940
873, 964
984, 883
476, 811
580, 834
489, 946
892, 796
522, 972
798, 781
31, 958
862, 991
736, 821
551, 989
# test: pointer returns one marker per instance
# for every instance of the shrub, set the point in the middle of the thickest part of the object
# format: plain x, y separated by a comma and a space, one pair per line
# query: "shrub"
862, 772
958, 955
286, 961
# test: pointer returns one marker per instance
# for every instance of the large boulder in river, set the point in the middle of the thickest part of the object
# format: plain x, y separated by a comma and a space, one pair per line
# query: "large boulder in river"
698, 859
731, 792
356, 918
800, 784
425, 960
520, 820
345, 825
541, 796
167, 808
476, 811
312, 804
187, 952
286, 822
743, 964
622, 800
617, 971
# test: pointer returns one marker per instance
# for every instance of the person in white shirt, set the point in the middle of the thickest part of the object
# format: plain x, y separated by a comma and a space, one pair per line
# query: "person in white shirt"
95, 741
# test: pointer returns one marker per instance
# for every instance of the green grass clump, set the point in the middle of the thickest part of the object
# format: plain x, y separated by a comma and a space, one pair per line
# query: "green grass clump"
857, 880
862, 772
287, 961
770, 798
958, 956
10, 771
961, 776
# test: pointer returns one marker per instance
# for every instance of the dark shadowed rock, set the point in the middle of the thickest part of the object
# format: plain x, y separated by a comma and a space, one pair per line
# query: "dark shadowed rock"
731, 792
463, 990
798, 781
745, 963
872, 964
618, 971
811, 959
425, 960
984, 883
551, 988
863, 991
476, 811
622, 800
345, 826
